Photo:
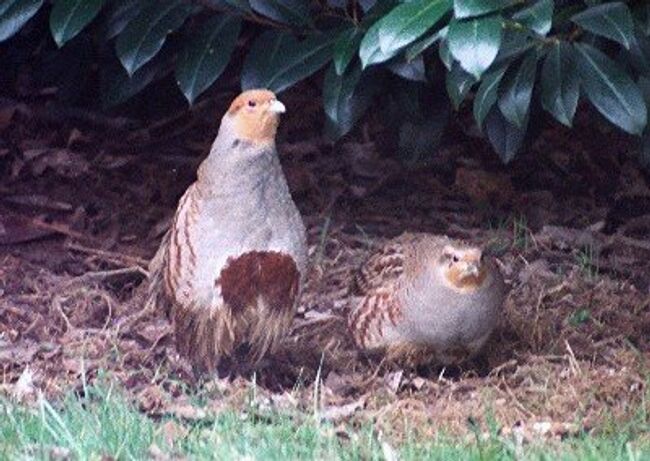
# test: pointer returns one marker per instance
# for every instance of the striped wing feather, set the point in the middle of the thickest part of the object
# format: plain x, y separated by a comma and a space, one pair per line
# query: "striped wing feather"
378, 281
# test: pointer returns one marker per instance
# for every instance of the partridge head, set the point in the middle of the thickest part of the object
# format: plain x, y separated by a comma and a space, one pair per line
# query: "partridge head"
230, 268
427, 298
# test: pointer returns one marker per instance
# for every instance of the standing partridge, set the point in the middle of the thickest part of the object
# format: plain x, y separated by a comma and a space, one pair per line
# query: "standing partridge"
230, 268
427, 298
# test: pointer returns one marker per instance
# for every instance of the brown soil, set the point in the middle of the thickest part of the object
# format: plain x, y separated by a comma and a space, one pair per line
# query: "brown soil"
84, 203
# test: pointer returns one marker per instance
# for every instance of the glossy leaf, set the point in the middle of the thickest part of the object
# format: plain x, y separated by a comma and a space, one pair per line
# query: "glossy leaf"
409, 70
458, 83
610, 20
514, 43
445, 55
610, 89
417, 48
470, 8
560, 83
145, 35
475, 43
487, 94
506, 139
14, 14
345, 48
277, 60
345, 99
639, 54
206, 54
69, 17
120, 13
117, 86
239, 6
294, 12
370, 51
408, 21
644, 151
517, 89
537, 17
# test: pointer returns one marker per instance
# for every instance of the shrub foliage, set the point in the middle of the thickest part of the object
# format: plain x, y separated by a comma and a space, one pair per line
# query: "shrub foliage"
507, 58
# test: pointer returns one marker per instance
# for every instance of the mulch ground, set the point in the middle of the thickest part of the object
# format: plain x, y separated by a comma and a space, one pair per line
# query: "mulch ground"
84, 201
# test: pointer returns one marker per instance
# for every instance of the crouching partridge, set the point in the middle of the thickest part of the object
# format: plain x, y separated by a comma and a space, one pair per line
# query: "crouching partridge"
427, 298
229, 270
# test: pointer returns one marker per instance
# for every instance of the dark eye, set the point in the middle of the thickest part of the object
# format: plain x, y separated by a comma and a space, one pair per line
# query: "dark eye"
454, 258
252, 103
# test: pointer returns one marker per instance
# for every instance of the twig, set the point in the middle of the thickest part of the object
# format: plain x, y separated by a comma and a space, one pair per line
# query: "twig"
110, 255
63, 229
101, 275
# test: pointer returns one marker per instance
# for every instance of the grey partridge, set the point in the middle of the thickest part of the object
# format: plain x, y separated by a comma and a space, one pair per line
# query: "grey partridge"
427, 299
230, 268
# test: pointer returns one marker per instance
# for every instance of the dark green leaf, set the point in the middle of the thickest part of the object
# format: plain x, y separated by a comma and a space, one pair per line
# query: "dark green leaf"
14, 14
117, 86
506, 139
408, 21
369, 51
286, 11
639, 54
517, 89
560, 83
145, 35
238, 5
458, 84
345, 99
470, 8
475, 43
644, 86
409, 70
120, 13
445, 55
206, 54
69, 17
610, 89
418, 47
610, 20
345, 48
487, 94
277, 60
537, 17
642, 13
644, 147
514, 43
644, 151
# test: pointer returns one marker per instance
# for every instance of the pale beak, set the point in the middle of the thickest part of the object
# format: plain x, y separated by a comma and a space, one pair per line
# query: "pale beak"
472, 269
277, 107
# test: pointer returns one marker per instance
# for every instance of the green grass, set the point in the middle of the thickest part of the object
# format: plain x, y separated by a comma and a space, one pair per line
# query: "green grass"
587, 260
105, 423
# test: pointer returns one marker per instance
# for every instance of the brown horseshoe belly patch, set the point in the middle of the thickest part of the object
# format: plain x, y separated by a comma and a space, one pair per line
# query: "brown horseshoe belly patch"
270, 275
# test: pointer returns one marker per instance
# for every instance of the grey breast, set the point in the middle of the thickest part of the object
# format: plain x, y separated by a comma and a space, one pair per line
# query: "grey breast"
442, 317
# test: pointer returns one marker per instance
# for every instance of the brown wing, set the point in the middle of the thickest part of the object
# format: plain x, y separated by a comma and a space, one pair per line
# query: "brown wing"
378, 281
385, 265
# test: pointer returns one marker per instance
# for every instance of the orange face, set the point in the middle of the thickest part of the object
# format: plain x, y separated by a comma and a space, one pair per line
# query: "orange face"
463, 267
256, 115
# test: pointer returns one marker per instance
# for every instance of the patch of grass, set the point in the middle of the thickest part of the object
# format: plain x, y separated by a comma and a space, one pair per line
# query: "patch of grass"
521, 234
579, 317
587, 260
103, 422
